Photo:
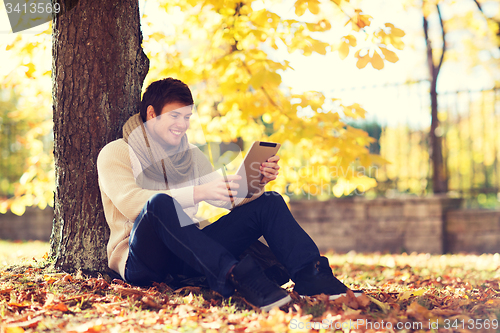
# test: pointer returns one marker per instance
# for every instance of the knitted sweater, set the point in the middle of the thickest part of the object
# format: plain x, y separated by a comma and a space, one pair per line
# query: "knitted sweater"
123, 199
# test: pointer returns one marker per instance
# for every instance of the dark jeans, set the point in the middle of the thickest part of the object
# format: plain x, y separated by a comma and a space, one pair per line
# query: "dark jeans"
160, 246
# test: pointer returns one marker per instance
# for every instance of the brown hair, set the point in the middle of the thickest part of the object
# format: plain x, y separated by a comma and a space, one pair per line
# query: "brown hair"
162, 92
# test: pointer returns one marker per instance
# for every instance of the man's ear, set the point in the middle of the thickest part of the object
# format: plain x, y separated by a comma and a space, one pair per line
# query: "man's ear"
150, 113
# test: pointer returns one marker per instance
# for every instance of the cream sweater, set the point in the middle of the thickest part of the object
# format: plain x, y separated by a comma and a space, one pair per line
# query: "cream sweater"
123, 199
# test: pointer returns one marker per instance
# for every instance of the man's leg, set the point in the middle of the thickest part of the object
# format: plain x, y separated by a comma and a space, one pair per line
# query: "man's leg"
159, 245
270, 217
162, 232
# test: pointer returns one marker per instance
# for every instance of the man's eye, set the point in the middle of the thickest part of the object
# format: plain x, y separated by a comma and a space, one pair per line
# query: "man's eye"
174, 116
187, 118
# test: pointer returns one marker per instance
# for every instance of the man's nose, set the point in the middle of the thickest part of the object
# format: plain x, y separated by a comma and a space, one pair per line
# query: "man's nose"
182, 124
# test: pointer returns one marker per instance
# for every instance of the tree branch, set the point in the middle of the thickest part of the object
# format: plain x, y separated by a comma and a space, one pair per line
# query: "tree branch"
479, 6
428, 43
443, 34
264, 90
350, 18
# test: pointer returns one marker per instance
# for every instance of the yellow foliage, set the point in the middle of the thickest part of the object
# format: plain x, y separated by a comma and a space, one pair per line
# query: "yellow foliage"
389, 55
362, 20
302, 5
343, 50
221, 50
377, 61
362, 60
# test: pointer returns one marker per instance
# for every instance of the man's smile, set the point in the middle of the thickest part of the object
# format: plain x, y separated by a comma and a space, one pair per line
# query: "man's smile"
176, 132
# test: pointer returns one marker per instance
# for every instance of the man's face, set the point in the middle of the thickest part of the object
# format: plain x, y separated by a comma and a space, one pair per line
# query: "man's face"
172, 124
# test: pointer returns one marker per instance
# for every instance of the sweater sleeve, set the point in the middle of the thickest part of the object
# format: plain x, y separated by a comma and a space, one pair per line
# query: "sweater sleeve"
117, 181
208, 175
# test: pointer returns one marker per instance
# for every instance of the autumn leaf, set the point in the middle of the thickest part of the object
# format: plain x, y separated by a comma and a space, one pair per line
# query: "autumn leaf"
395, 31
418, 312
347, 41
60, 306
300, 7
377, 61
362, 20
313, 6
97, 308
389, 55
363, 61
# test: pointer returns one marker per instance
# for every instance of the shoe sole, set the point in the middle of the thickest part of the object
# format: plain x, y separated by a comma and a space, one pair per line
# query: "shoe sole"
278, 303
334, 297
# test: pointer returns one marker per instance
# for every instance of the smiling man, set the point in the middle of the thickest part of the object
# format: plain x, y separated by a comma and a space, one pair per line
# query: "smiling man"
151, 183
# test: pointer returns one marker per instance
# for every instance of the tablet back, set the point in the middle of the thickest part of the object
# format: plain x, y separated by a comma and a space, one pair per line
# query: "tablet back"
249, 170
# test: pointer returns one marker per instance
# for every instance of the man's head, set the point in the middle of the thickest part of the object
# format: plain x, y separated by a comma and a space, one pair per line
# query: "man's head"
162, 92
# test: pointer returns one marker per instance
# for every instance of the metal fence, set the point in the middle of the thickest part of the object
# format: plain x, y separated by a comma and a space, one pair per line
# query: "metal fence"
469, 122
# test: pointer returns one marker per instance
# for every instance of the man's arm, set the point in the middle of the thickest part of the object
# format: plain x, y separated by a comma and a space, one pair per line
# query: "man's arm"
211, 179
117, 181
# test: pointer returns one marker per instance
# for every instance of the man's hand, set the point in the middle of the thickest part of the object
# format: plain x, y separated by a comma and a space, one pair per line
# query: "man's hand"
218, 189
270, 169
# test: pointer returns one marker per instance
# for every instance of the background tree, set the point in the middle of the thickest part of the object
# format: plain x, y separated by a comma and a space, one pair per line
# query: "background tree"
234, 52
13, 153
225, 51
494, 20
25, 97
439, 176
98, 70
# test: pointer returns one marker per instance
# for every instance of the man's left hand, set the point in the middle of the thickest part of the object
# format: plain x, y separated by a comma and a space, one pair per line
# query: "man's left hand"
269, 169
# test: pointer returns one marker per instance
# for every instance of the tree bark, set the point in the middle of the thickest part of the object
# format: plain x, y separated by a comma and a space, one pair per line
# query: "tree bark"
439, 174
97, 74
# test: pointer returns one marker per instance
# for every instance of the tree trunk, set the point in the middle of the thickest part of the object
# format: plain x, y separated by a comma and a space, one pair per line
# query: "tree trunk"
439, 175
98, 69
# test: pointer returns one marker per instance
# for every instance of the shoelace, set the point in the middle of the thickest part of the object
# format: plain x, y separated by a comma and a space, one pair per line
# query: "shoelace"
259, 288
326, 271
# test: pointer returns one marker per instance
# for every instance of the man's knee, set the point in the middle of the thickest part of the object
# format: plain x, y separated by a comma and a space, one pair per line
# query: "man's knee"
273, 196
167, 208
162, 204
159, 200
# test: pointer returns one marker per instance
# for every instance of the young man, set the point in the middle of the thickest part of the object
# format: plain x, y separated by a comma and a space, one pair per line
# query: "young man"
151, 182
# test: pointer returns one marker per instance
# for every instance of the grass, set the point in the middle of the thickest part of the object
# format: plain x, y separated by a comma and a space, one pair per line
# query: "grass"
412, 289
21, 252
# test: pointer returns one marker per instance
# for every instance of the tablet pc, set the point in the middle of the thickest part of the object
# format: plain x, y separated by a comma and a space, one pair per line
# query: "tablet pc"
249, 170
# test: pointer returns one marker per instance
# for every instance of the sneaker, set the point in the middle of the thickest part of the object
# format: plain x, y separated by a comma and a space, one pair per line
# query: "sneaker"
317, 278
249, 279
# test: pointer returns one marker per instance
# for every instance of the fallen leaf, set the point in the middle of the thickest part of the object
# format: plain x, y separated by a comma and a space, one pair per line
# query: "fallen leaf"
19, 305
60, 306
123, 291
363, 301
383, 306
417, 311
26, 323
150, 302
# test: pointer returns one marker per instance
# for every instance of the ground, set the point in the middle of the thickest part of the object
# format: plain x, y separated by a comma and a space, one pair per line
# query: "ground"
404, 293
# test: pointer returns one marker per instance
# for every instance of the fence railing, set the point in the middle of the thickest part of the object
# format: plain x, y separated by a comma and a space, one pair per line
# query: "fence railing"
469, 125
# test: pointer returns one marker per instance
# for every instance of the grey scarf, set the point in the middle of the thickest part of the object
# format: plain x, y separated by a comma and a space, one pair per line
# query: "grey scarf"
174, 166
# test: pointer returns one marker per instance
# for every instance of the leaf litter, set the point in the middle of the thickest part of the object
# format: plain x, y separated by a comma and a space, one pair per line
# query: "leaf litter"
403, 293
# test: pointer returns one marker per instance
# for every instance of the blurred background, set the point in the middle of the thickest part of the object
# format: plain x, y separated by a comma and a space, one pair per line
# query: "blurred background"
373, 100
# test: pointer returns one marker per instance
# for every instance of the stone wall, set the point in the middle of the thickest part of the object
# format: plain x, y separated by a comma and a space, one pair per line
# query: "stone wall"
473, 230
386, 225
431, 225
34, 224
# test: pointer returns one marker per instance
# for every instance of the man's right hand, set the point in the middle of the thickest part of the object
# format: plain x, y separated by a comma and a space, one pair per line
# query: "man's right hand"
219, 189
